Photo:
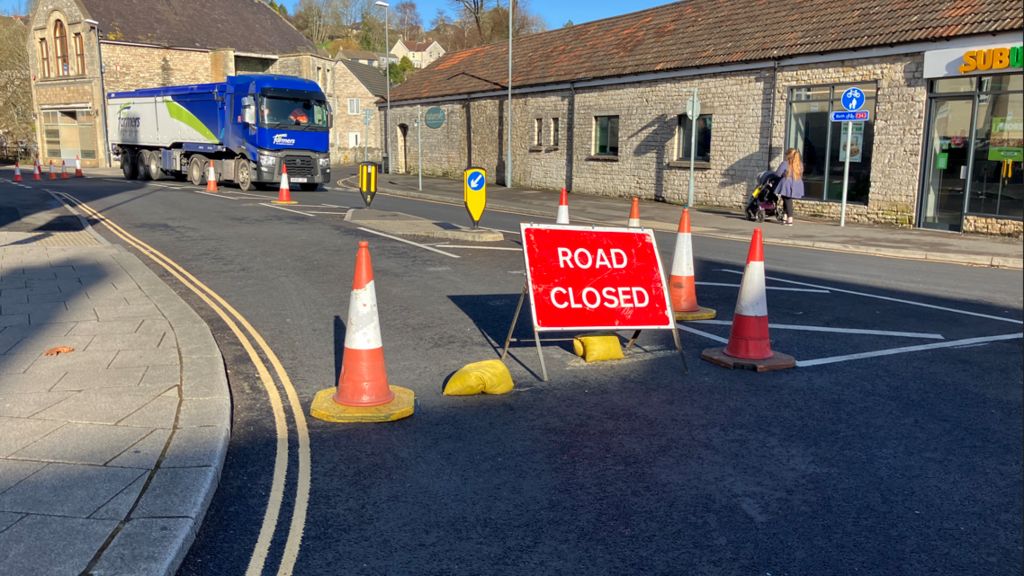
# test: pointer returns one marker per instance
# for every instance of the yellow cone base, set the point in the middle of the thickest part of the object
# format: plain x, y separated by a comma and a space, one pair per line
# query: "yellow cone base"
597, 347
284, 201
702, 314
487, 377
325, 408
777, 361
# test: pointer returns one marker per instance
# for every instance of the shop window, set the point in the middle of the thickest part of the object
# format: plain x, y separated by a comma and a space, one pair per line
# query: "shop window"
353, 106
997, 172
60, 47
79, 55
684, 137
606, 135
538, 131
554, 131
44, 58
822, 143
70, 133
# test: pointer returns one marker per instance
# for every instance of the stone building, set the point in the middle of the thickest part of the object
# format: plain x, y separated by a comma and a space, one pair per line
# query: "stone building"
601, 108
144, 44
357, 123
421, 54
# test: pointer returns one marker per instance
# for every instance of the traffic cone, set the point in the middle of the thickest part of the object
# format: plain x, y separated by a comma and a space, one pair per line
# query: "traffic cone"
749, 346
563, 208
363, 393
284, 195
64, 170
78, 167
681, 285
17, 171
37, 171
53, 175
634, 214
211, 178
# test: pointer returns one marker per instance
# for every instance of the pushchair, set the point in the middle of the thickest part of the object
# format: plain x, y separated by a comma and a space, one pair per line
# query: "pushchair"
763, 200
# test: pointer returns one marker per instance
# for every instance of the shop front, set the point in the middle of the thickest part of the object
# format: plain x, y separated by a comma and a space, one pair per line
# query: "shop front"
974, 138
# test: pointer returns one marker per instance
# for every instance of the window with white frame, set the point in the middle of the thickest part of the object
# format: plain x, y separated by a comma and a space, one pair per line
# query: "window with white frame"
554, 131
606, 135
684, 138
538, 132
353, 106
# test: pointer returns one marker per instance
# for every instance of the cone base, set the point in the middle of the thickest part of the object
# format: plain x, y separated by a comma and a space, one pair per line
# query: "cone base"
701, 313
777, 361
284, 202
325, 408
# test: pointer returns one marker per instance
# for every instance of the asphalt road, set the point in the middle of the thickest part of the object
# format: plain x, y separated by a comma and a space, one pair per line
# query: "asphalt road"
904, 463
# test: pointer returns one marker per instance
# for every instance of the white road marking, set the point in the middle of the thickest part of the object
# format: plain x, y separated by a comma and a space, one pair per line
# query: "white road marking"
924, 335
905, 349
214, 195
269, 196
890, 299
707, 335
479, 247
328, 213
285, 209
417, 244
779, 288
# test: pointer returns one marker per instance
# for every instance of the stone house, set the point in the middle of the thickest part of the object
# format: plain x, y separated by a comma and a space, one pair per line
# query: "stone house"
601, 108
421, 54
364, 57
167, 43
357, 123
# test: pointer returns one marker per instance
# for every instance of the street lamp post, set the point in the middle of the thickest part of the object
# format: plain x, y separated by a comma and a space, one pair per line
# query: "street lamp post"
508, 146
387, 77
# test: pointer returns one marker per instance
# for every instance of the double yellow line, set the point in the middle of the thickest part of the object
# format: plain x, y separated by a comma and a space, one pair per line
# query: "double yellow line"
232, 318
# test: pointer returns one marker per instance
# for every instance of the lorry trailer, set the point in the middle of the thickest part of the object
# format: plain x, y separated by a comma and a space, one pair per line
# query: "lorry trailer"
248, 126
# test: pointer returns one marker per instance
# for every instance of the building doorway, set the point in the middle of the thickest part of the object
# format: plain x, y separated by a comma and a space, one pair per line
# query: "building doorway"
403, 149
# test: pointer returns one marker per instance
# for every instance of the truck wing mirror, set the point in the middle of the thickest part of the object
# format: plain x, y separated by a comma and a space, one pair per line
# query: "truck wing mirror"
248, 110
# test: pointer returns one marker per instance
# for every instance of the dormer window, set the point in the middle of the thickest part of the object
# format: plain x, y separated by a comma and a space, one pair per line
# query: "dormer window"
60, 45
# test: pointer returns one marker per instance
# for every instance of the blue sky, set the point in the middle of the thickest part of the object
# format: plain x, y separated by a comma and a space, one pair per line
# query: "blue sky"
555, 13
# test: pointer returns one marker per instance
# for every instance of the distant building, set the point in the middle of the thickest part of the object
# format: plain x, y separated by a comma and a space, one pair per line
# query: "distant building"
364, 57
169, 43
421, 54
357, 119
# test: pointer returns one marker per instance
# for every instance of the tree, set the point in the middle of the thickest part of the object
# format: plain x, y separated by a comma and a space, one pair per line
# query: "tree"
568, 24
319, 20
400, 71
408, 21
16, 123
475, 10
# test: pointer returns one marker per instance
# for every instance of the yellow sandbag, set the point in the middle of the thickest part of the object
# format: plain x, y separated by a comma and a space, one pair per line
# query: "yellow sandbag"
597, 347
488, 377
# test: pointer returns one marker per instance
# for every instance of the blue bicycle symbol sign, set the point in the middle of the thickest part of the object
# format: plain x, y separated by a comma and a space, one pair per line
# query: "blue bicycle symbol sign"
853, 99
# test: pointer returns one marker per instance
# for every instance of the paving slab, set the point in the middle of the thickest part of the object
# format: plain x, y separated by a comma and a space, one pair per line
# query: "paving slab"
80, 443
20, 432
24, 553
28, 404
140, 547
72, 490
14, 471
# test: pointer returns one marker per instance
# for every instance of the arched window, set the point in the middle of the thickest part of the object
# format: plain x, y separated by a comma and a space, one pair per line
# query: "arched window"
79, 55
44, 58
60, 45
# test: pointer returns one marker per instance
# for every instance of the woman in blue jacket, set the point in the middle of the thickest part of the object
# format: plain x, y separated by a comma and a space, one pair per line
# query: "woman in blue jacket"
791, 185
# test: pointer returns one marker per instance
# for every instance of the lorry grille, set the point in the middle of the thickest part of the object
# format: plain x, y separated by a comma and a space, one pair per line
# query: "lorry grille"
302, 166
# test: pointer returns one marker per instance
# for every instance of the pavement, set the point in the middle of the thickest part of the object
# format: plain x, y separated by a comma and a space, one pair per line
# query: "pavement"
114, 403
887, 241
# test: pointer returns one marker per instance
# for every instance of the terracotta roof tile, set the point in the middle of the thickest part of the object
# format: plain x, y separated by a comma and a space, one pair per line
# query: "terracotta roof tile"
696, 33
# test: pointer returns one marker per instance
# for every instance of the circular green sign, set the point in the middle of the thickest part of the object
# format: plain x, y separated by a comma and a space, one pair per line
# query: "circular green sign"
434, 117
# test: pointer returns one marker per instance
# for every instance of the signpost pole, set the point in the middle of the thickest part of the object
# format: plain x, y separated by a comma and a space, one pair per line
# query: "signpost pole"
419, 146
846, 172
694, 112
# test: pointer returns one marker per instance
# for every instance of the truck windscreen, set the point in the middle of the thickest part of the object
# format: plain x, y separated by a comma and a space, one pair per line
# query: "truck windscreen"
293, 113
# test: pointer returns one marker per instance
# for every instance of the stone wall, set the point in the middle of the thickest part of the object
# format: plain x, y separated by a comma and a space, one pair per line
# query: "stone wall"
131, 67
993, 226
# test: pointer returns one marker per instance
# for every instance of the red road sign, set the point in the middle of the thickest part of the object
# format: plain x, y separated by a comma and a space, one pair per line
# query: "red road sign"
584, 278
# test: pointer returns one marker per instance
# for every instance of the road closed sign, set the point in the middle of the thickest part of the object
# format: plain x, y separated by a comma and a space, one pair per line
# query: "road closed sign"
595, 278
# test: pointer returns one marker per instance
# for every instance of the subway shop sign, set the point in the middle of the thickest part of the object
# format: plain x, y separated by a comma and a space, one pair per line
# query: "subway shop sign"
1003, 55
993, 59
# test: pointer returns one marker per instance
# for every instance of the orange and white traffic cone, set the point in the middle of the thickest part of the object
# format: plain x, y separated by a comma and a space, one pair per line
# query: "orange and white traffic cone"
749, 345
37, 171
634, 214
284, 194
682, 287
64, 170
53, 175
363, 393
563, 208
78, 167
17, 171
211, 178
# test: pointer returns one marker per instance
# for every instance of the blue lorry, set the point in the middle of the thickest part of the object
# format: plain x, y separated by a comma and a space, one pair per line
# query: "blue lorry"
248, 126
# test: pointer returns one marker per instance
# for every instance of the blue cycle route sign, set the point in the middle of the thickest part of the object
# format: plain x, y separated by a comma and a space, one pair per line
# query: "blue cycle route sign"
475, 180
853, 99
858, 116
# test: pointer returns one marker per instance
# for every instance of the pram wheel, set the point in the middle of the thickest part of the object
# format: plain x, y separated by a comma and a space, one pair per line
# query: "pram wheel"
760, 215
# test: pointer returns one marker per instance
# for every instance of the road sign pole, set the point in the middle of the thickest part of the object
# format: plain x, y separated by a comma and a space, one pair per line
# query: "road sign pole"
846, 172
694, 112
419, 146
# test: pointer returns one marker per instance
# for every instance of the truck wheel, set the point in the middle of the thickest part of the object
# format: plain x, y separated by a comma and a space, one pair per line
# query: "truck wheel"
153, 165
142, 164
128, 165
243, 174
197, 170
